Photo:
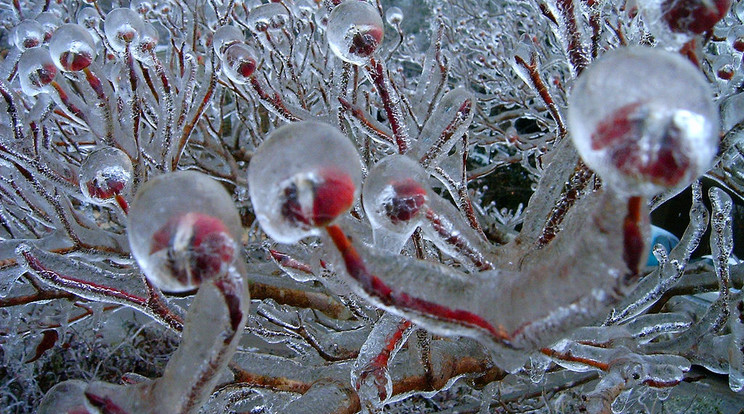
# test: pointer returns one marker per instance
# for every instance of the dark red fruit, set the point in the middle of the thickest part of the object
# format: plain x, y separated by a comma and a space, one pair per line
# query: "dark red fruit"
74, 62
409, 197
104, 188
694, 16
365, 43
317, 200
198, 247
660, 159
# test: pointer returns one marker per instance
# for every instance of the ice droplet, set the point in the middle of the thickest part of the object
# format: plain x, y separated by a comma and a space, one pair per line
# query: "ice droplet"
105, 173
303, 176
36, 70
394, 194
183, 229
644, 120
28, 34
72, 47
122, 27
355, 30
394, 16
239, 62
225, 37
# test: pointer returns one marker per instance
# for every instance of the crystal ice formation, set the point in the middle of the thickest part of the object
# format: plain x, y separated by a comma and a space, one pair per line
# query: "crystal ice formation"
72, 48
37, 70
105, 173
239, 62
183, 228
303, 176
355, 31
644, 120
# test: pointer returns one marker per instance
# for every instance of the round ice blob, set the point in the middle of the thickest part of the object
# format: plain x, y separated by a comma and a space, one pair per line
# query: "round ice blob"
122, 27
644, 120
354, 31
72, 47
183, 229
239, 62
36, 70
104, 174
303, 176
28, 34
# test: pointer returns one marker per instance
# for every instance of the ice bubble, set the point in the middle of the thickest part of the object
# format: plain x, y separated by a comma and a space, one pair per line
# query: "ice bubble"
183, 229
36, 70
104, 174
239, 62
355, 31
28, 34
644, 120
122, 27
72, 48
303, 176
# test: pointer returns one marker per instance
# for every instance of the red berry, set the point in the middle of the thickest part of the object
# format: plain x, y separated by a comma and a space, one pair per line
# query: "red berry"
198, 247
317, 199
407, 201
365, 43
639, 145
694, 16
74, 62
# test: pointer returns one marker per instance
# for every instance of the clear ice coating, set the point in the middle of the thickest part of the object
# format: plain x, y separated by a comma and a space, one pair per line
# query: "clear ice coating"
28, 34
394, 196
644, 120
224, 37
355, 31
104, 174
183, 228
122, 27
37, 70
239, 62
72, 48
302, 177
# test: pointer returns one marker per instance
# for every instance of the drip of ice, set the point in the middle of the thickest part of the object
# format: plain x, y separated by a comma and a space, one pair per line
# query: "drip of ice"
104, 174
239, 62
355, 31
72, 48
644, 134
394, 195
183, 228
122, 27
36, 70
302, 177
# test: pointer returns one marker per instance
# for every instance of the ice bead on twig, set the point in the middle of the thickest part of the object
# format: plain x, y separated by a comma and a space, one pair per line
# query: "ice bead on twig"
106, 176
301, 178
355, 31
644, 133
183, 228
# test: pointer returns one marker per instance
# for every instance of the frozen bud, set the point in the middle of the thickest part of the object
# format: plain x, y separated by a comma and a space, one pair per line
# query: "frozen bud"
144, 47
183, 229
269, 16
394, 16
28, 34
141, 6
36, 70
354, 31
225, 37
122, 27
239, 62
693, 16
89, 18
301, 178
395, 193
644, 120
105, 174
72, 48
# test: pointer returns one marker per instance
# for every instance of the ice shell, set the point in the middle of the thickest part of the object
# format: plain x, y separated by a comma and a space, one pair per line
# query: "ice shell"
28, 34
239, 62
122, 27
394, 194
394, 16
183, 228
145, 44
269, 16
644, 120
355, 31
224, 37
36, 70
105, 173
301, 178
72, 48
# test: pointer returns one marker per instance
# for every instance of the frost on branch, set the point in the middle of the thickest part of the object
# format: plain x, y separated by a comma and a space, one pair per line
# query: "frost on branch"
438, 205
